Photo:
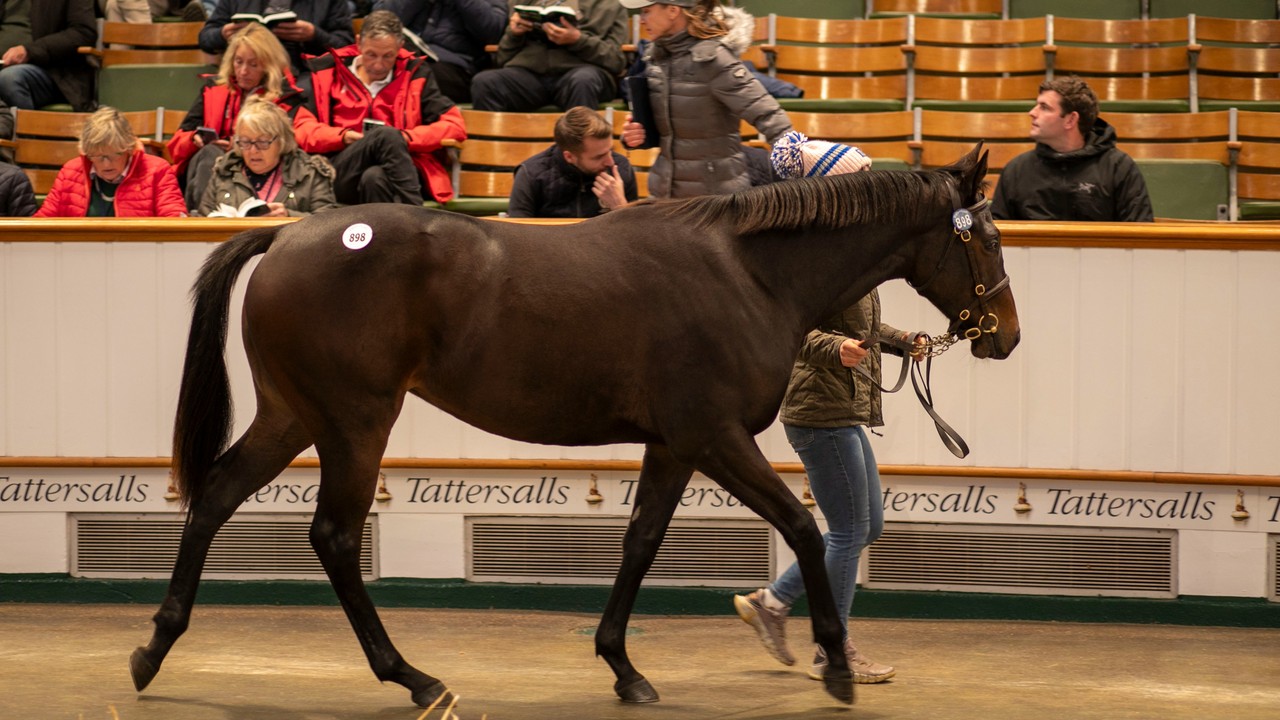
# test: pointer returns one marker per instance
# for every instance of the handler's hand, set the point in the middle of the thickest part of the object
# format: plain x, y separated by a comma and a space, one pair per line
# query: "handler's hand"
851, 352
632, 133
922, 342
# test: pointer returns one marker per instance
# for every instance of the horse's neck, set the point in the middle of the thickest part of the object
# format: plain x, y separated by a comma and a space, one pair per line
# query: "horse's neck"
819, 273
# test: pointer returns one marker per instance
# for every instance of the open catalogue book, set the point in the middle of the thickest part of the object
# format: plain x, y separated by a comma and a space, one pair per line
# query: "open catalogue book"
251, 207
552, 14
270, 19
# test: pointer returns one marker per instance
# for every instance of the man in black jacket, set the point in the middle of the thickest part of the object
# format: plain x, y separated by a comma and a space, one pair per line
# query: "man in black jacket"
39, 42
1075, 172
578, 177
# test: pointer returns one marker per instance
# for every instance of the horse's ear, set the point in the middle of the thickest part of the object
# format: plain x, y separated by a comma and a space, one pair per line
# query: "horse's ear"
973, 171
969, 172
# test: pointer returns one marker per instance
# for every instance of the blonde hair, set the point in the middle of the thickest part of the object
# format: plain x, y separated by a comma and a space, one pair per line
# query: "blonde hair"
106, 129
705, 20
270, 53
264, 117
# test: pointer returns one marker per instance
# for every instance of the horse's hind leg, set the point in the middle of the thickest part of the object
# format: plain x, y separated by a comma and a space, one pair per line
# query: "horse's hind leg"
737, 464
261, 454
662, 482
348, 476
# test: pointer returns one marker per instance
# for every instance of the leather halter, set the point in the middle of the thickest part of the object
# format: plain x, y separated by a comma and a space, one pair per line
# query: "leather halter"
961, 224
983, 320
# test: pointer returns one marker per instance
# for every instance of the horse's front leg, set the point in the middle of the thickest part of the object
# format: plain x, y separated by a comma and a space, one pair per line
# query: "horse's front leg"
662, 482
348, 477
736, 463
252, 462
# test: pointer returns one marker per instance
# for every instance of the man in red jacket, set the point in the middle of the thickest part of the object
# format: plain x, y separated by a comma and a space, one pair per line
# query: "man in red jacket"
375, 111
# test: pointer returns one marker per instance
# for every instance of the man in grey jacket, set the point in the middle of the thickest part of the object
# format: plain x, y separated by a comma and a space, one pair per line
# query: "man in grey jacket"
563, 63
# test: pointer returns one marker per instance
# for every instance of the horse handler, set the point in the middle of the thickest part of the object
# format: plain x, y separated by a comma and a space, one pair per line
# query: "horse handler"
826, 407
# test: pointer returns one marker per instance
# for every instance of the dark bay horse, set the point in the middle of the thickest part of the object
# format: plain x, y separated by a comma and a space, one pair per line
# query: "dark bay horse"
671, 324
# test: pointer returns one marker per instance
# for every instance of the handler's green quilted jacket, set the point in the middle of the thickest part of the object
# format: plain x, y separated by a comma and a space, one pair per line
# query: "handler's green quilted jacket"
824, 393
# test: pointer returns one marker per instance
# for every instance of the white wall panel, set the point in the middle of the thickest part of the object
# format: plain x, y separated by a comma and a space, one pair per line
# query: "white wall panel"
1210, 342
177, 265
5, 338
1256, 361
31, 350
1222, 563
1152, 360
1155, 377
81, 341
132, 358
1102, 357
34, 542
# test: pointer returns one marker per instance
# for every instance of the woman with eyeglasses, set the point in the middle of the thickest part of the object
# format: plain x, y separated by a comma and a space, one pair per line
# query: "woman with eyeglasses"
265, 164
255, 64
112, 176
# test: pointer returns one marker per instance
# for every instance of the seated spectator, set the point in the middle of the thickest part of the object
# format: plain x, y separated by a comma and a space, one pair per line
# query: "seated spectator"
112, 176
39, 43
6, 131
255, 64
17, 199
456, 32
562, 64
374, 110
1075, 172
578, 177
321, 25
265, 163
140, 11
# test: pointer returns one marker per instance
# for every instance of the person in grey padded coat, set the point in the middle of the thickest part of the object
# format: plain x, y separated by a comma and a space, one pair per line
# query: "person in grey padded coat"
700, 90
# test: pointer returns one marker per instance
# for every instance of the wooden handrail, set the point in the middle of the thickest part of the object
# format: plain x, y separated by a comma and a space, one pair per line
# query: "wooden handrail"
785, 468
1188, 235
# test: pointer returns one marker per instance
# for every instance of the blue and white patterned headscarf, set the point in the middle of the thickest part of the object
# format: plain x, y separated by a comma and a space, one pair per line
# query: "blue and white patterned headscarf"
795, 155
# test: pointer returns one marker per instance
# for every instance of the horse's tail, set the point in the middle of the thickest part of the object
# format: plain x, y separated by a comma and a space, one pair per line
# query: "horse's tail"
202, 427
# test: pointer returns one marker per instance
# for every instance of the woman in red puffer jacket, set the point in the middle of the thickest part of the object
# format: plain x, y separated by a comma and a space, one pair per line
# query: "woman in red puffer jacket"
113, 177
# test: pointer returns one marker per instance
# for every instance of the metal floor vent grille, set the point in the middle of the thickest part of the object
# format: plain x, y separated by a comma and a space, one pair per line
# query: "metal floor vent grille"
273, 547
1274, 567
587, 551
1031, 560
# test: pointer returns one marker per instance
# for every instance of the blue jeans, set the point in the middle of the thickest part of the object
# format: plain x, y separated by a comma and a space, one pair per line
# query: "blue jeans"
28, 87
846, 485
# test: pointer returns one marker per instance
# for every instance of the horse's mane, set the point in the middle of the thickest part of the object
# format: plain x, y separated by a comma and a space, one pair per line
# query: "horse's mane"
902, 197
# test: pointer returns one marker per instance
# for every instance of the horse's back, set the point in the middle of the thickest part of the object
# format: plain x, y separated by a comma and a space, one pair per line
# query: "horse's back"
553, 334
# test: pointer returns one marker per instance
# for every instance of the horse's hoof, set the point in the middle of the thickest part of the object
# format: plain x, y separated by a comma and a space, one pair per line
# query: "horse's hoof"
431, 693
142, 669
839, 684
636, 691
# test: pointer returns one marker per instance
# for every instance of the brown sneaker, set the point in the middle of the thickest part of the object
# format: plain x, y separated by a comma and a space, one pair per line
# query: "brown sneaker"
769, 624
865, 670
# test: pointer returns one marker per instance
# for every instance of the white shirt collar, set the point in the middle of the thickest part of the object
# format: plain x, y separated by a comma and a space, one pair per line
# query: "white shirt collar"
374, 87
